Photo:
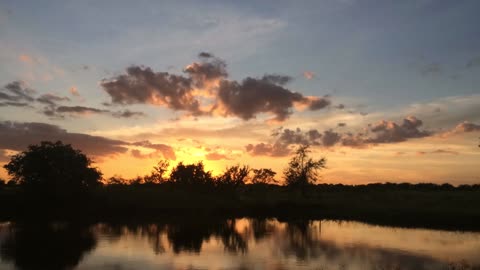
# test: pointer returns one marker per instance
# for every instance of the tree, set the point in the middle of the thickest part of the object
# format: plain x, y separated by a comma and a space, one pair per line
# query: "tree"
53, 168
263, 176
303, 170
158, 174
234, 175
191, 174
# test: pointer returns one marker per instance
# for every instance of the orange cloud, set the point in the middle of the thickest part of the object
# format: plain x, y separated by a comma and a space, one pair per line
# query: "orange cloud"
74, 91
308, 75
25, 58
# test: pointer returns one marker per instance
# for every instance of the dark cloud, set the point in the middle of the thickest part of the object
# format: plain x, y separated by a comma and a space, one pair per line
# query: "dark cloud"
253, 96
266, 149
289, 136
160, 149
431, 69
474, 62
17, 136
79, 110
128, 114
204, 90
330, 138
205, 55
389, 131
277, 79
61, 111
140, 85
380, 133
51, 99
14, 104
17, 92
466, 127
209, 68
444, 151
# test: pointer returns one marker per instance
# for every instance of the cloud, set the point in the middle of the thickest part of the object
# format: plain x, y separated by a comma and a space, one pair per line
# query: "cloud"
263, 95
79, 110
443, 151
389, 131
160, 149
466, 127
205, 55
141, 85
474, 62
438, 151
210, 68
216, 156
448, 111
17, 136
330, 138
128, 114
308, 75
61, 111
51, 99
25, 58
382, 132
205, 90
17, 91
14, 104
74, 91
266, 149
431, 69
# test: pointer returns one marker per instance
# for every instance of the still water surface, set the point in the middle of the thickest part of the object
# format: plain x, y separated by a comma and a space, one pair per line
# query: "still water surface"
234, 244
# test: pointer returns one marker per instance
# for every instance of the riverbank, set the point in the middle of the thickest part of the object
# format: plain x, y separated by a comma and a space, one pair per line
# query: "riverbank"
426, 205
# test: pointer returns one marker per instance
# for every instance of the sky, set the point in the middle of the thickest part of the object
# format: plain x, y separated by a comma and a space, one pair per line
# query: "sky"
385, 90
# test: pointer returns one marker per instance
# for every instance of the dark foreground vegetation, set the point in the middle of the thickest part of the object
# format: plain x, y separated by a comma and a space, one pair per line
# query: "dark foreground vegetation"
52, 180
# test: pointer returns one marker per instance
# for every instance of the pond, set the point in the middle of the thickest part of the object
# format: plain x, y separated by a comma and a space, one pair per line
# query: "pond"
234, 244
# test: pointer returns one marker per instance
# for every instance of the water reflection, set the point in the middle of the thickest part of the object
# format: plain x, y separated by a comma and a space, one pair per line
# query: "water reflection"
46, 246
234, 244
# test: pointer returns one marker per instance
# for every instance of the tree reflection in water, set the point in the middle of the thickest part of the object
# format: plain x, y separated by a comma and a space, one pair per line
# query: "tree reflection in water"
62, 246
47, 246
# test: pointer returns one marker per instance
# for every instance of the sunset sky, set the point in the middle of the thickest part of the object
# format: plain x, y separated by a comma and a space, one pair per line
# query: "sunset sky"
385, 90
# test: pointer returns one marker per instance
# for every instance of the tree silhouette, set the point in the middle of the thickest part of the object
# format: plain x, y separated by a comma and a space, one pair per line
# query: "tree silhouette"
158, 174
54, 171
234, 176
263, 176
303, 170
191, 174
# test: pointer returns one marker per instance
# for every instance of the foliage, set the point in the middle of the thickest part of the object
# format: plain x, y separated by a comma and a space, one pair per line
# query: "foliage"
303, 170
116, 180
158, 174
263, 176
190, 174
234, 176
53, 167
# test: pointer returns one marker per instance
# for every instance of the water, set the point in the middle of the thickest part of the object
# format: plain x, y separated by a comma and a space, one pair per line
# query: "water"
234, 244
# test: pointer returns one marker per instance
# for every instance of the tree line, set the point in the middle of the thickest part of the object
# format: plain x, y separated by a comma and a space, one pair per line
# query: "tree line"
58, 166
